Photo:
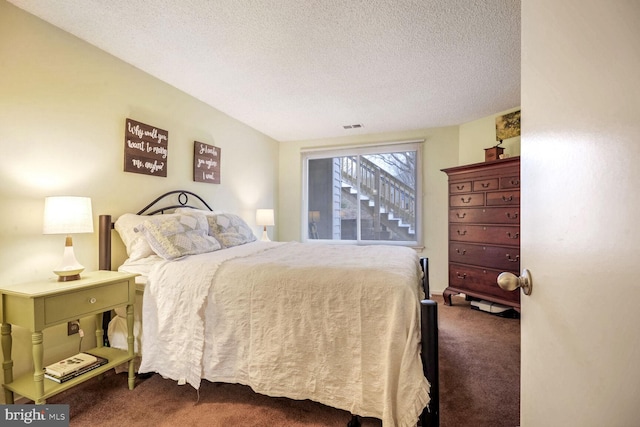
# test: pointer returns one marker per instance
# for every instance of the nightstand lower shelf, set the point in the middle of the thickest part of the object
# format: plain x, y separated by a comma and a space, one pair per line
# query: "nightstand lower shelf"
25, 386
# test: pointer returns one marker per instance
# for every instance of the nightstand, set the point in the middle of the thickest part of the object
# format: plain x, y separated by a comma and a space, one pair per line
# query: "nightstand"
40, 305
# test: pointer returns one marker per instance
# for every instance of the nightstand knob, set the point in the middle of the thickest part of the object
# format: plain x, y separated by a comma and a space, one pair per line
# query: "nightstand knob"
92, 300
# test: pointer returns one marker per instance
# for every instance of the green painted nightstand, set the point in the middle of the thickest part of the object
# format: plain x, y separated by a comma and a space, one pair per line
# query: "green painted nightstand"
39, 305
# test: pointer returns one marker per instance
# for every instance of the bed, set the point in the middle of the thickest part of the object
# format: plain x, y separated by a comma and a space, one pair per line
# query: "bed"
347, 326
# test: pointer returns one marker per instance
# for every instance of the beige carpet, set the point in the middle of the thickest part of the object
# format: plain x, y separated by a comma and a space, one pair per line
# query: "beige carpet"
479, 380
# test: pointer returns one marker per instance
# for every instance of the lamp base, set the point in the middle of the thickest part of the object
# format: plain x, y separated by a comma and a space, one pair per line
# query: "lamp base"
68, 278
69, 268
68, 275
265, 236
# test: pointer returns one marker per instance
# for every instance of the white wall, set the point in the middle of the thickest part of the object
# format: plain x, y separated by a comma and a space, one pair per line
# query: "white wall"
63, 105
580, 207
440, 151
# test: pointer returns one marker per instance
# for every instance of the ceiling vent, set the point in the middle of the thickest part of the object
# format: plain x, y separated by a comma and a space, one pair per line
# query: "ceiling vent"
356, 126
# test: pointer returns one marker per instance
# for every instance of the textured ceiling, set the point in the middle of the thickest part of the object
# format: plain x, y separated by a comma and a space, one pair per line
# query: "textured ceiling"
301, 69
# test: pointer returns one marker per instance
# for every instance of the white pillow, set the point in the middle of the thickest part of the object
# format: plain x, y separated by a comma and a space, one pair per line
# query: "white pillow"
140, 266
135, 243
175, 236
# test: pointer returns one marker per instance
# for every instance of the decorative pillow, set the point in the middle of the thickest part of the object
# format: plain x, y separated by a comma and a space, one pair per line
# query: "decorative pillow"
187, 211
229, 229
178, 235
135, 243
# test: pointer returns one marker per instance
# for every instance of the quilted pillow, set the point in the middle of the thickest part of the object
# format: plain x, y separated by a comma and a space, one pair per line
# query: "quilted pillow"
230, 230
178, 235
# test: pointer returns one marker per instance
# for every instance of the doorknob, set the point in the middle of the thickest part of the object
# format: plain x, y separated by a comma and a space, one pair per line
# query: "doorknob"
511, 282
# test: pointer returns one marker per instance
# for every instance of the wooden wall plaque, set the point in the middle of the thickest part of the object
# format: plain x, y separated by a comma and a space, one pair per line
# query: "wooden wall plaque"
206, 163
145, 149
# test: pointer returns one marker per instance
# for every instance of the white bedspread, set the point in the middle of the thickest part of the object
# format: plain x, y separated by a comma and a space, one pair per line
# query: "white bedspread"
336, 324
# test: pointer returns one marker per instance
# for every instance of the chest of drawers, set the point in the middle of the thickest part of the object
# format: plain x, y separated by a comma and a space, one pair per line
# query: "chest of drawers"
484, 229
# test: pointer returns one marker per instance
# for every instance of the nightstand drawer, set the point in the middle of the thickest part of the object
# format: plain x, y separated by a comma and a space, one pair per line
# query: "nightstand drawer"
85, 302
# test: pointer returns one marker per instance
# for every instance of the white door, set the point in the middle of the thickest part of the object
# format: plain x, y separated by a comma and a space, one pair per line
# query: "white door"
581, 213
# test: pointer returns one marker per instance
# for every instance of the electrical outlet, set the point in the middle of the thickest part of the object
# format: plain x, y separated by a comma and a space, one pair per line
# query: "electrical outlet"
73, 327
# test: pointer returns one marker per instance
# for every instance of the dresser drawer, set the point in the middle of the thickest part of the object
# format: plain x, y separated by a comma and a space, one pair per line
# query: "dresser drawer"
490, 234
460, 187
499, 257
480, 281
503, 198
486, 215
485, 184
510, 182
85, 302
468, 199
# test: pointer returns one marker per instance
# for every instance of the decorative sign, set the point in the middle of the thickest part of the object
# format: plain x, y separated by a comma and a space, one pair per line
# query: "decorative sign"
145, 149
206, 163
508, 126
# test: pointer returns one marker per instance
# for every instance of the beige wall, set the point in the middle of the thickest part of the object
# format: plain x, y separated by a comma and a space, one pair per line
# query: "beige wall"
479, 134
63, 105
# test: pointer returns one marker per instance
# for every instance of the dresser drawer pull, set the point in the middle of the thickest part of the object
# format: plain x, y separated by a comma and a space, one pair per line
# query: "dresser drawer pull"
485, 184
515, 182
460, 187
512, 216
507, 199
461, 252
516, 259
513, 236
92, 300
465, 201
464, 214
461, 276
461, 233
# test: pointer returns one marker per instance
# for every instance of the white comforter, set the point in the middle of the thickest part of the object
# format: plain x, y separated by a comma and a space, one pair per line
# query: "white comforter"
336, 324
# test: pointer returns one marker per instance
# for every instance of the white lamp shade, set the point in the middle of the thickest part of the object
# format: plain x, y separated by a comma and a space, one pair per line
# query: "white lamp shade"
67, 215
264, 217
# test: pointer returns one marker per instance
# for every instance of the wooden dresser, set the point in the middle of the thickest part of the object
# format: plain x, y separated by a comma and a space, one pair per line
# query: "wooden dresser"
484, 229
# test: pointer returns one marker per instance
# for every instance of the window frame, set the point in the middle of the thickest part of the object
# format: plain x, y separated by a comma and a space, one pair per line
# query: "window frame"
359, 150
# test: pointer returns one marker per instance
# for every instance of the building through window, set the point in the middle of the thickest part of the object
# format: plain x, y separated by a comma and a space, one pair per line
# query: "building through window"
363, 195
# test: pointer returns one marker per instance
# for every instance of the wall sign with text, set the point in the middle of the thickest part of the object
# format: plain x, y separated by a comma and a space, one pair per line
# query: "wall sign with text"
206, 163
145, 149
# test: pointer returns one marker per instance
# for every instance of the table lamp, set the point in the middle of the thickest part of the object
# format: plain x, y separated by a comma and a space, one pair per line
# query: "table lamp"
68, 215
264, 217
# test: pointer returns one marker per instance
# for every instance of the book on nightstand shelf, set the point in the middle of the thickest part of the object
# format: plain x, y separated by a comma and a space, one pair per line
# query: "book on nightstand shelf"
72, 367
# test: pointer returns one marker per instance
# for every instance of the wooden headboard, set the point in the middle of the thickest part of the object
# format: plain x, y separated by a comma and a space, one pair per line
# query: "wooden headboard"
166, 202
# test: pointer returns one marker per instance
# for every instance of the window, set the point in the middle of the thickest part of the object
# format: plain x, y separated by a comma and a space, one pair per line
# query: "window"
363, 195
